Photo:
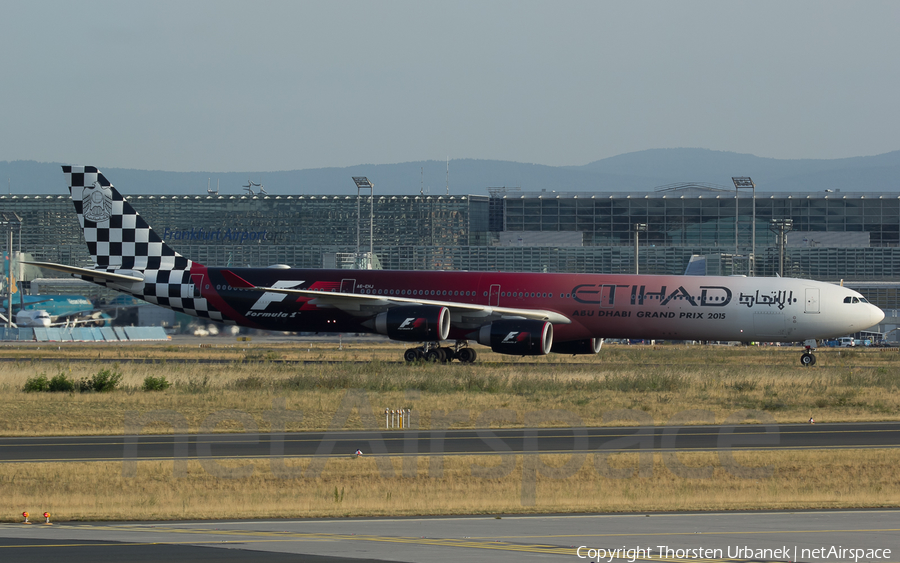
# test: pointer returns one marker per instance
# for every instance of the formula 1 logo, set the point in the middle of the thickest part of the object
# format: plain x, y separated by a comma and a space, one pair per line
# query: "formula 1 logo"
412, 323
515, 337
272, 297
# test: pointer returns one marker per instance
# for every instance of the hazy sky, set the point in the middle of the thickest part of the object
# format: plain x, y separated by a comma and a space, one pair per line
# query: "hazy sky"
257, 86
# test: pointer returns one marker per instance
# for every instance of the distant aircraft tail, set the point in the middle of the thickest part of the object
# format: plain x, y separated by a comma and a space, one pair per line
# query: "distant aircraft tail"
696, 266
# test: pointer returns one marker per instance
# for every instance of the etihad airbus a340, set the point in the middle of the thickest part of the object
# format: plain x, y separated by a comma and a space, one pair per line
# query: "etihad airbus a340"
443, 312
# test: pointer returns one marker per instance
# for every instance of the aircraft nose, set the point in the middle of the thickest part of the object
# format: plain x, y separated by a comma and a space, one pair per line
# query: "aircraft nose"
876, 315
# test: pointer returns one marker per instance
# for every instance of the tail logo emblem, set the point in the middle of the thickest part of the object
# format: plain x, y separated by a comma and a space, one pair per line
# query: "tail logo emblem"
96, 203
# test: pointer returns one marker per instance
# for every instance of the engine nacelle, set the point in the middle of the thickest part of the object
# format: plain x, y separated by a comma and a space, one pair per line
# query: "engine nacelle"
518, 337
415, 323
588, 346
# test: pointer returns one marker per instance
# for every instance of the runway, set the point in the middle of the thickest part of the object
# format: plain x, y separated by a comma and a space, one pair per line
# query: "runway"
677, 538
756, 536
451, 442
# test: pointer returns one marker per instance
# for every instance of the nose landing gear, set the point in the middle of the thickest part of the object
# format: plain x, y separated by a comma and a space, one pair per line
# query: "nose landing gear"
807, 358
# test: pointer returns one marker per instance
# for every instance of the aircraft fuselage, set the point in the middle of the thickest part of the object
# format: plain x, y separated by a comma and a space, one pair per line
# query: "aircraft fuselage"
599, 306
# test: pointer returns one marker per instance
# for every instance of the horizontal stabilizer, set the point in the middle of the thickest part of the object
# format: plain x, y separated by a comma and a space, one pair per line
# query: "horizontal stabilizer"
87, 272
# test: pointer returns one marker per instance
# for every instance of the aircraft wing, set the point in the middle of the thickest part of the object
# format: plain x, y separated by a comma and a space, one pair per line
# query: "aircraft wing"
74, 318
29, 304
87, 272
356, 303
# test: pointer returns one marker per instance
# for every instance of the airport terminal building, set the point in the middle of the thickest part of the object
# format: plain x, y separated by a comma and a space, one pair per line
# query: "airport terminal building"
829, 236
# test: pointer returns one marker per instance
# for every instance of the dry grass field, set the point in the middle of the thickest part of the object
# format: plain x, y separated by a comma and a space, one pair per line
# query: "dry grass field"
356, 487
661, 381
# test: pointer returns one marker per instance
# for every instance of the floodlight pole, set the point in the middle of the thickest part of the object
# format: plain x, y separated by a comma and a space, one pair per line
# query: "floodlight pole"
363, 183
744, 182
638, 228
9, 276
782, 227
11, 221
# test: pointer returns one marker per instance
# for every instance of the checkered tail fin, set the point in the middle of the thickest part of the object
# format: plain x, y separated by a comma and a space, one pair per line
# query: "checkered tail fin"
117, 237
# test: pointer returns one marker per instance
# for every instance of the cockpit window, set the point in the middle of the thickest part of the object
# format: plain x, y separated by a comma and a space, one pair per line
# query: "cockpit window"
847, 299
850, 299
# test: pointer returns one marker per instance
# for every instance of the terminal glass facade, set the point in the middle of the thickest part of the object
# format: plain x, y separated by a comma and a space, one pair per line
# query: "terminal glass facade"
464, 232
695, 217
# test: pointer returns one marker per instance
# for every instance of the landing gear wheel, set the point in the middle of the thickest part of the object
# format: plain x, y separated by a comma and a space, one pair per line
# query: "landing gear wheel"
449, 354
411, 355
434, 355
807, 359
466, 355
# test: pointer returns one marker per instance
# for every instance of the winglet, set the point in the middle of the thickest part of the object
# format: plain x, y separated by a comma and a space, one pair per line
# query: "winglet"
236, 281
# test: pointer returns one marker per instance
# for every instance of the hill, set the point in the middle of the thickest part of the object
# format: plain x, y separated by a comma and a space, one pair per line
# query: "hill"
637, 171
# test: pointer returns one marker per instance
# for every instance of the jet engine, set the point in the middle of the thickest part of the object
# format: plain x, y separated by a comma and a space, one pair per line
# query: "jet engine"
517, 337
415, 323
589, 346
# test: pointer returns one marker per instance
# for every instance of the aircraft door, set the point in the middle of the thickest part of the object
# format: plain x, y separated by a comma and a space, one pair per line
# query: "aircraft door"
196, 287
494, 299
812, 300
769, 324
607, 293
348, 285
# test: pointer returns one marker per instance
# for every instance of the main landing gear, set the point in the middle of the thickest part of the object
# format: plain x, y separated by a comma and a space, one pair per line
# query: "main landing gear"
433, 352
808, 358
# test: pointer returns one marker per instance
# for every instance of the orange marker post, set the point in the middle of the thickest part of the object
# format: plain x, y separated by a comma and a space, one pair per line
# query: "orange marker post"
25, 515
47, 516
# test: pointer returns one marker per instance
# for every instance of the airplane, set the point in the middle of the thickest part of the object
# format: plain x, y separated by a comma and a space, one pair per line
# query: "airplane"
512, 313
56, 310
33, 318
